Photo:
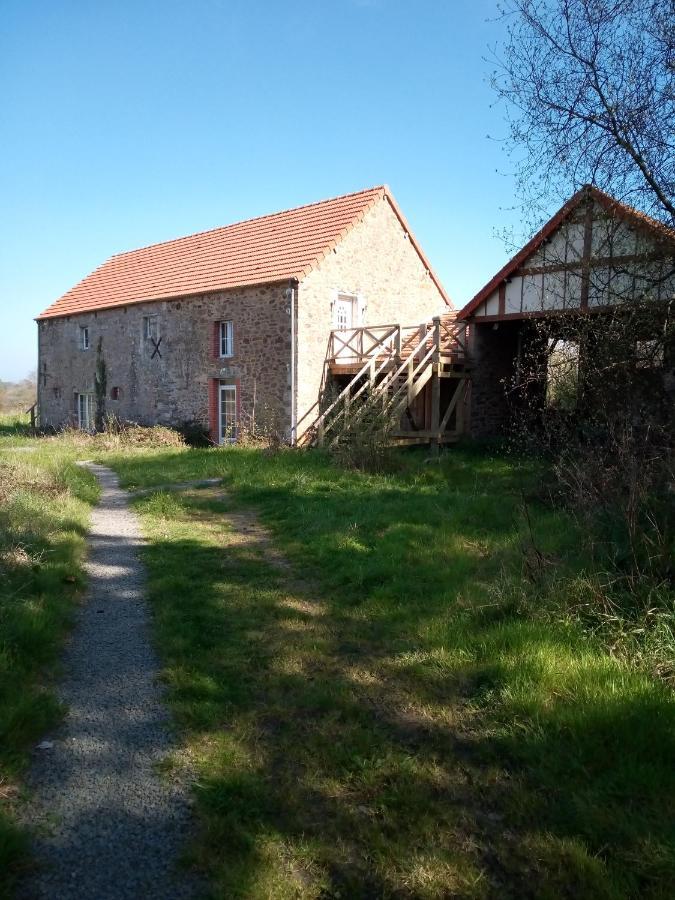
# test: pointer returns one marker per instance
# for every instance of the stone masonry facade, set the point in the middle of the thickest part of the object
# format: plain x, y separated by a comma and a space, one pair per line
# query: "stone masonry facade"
177, 382
377, 262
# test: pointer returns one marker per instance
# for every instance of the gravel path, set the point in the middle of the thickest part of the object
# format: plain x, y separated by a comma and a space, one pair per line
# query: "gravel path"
107, 825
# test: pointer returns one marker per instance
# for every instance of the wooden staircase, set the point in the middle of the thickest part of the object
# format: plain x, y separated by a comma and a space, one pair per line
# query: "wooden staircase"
399, 373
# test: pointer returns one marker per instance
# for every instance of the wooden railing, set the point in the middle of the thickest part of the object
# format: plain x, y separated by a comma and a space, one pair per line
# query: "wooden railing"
32, 410
394, 363
352, 345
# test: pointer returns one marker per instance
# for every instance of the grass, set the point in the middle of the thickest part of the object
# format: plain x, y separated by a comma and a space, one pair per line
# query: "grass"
44, 504
396, 714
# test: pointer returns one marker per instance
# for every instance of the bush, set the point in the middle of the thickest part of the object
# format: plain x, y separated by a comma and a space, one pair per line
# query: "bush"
194, 434
606, 432
125, 434
364, 440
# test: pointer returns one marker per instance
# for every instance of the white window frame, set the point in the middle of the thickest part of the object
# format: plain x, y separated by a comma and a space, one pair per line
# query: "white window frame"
226, 339
151, 327
86, 411
232, 437
358, 308
84, 337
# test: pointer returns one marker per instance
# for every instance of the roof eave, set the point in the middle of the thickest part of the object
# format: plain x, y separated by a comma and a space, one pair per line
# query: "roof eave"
165, 298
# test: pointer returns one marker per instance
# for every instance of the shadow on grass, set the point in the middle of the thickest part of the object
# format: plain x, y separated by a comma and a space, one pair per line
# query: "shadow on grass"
378, 728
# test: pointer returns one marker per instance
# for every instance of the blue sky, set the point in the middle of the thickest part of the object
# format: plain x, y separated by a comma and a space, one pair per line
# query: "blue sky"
129, 123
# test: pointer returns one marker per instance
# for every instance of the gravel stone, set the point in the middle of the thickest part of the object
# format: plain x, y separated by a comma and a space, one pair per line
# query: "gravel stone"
105, 824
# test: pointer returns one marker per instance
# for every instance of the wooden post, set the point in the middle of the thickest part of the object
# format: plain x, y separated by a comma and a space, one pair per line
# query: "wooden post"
437, 337
436, 381
397, 341
586, 253
459, 412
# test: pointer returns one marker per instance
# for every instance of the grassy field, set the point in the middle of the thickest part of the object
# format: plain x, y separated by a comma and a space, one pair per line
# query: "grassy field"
44, 506
402, 712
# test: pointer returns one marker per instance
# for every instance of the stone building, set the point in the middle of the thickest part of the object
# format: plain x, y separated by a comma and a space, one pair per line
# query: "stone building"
594, 254
229, 328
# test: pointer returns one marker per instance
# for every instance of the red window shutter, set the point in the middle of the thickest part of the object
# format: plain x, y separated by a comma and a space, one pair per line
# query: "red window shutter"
213, 410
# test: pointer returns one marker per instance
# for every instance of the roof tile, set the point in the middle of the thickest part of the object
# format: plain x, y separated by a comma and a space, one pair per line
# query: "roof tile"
268, 249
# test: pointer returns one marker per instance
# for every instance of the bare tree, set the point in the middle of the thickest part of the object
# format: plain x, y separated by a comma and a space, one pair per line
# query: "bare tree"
589, 88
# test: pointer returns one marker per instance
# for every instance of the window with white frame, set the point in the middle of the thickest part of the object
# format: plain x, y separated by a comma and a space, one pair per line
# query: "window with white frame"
150, 328
226, 339
86, 413
227, 413
84, 337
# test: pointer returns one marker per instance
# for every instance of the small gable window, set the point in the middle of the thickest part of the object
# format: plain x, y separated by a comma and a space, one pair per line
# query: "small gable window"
84, 337
150, 328
226, 339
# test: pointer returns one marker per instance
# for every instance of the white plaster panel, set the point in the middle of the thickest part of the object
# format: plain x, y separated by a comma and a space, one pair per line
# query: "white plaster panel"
492, 304
532, 293
575, 241
599, 286
623, 240
556, 247
513, 295
554, 290
573, 289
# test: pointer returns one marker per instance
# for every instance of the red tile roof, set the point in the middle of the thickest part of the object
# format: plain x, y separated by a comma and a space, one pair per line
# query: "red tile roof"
614, 207
268, 249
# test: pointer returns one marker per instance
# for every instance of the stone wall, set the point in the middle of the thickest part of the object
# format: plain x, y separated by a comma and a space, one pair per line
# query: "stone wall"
175, 385
377, 261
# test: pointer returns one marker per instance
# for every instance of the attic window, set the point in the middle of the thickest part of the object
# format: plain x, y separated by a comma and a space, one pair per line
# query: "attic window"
150, 328
225, 339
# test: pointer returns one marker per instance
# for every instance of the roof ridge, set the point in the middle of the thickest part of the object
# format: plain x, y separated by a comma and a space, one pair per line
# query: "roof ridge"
377, 188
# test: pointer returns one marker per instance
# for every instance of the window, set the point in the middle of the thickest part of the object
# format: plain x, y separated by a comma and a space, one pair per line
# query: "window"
115, 393
84, 337
85, 412
151, 328
344, 312
227, 411
226, 339
349, 311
